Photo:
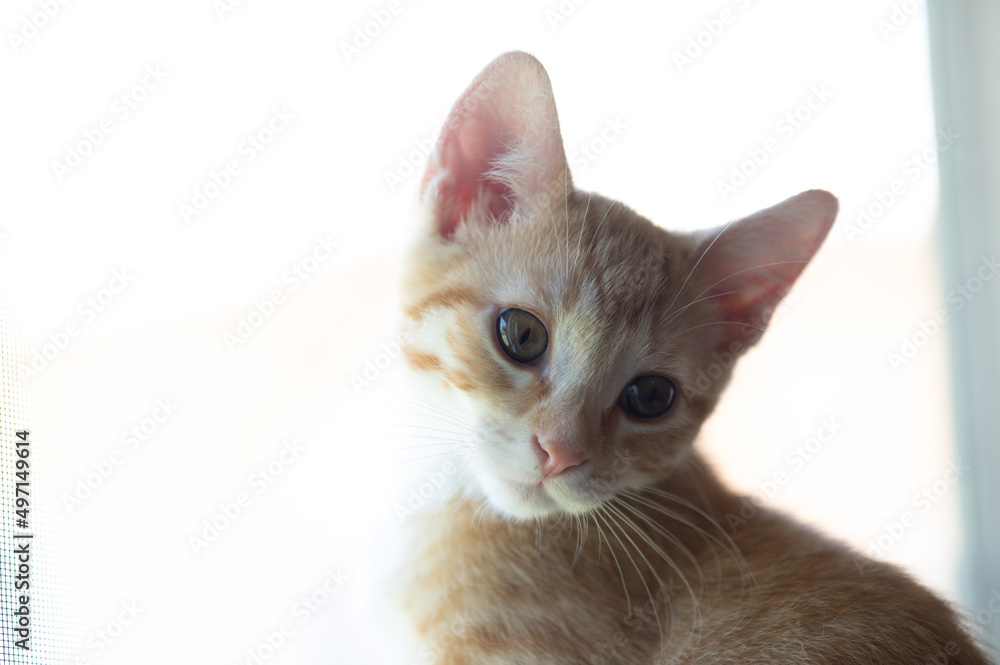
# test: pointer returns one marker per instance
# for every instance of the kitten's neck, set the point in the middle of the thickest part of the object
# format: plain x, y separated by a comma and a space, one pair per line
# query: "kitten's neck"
688, 515
664, 546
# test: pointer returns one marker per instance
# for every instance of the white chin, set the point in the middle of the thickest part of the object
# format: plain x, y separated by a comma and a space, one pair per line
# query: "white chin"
523, 501
518, 501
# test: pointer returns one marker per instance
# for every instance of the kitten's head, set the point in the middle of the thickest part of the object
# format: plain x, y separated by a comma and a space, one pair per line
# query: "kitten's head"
587, 344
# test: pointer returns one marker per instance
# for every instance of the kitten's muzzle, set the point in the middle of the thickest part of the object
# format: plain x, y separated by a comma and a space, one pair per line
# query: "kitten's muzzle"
556, 455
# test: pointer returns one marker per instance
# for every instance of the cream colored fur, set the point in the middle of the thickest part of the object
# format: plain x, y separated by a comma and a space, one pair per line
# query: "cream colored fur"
639, 555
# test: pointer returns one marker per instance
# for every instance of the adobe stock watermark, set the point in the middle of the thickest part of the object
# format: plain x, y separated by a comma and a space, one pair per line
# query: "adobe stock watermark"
900, 14
912, 169
217, 181
723, 361
294, 277
958, 297
372, 368
412, 162
580, 158
559, 13
986, 615
86, 312
257, 483
653, 611
942, 656
461, 622
453, 637
32, 24
131, 440
367, 32
786, 127
619, 634
432, 481
105, 638
302, 611
711, 30
123, 105
223, 8
415, 160
922, 502
795, 461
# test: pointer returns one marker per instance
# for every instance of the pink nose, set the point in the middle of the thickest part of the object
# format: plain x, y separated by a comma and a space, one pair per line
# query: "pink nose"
557, 456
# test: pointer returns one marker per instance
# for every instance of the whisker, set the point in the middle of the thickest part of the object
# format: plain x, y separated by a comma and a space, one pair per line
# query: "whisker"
628, 600
603, 515
417, 459
698, 298
566, 199
395, 424
579, 240
676, 542
407, 448
698, 263
728, 545
444, 501
594, 238
695, 302
626, 521
482, 507
486, 508
457, 428
706, 536
425, 408
740, 272
598, 539
578, 523
695, 597
717, 323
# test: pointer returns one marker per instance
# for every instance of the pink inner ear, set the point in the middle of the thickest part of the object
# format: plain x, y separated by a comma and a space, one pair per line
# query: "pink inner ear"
499, 146
460, 196
750, 297
466, 153
752, 264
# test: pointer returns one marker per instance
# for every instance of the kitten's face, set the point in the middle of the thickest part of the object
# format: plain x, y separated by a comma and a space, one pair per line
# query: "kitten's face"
538, 326
578, 336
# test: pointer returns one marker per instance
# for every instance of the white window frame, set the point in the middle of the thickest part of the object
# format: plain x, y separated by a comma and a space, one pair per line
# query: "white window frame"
965, 52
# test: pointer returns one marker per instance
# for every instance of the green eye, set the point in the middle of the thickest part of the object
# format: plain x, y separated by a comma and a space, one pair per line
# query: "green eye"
522, 335
647, 396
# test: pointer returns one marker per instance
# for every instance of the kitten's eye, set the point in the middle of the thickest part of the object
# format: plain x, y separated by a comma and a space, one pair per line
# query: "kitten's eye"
647, 396
522, 335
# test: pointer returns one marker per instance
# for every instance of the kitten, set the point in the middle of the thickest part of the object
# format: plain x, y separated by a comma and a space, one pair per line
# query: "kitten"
588, 346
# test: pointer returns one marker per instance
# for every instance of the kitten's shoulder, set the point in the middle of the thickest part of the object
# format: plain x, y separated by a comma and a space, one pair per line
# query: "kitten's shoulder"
814, 599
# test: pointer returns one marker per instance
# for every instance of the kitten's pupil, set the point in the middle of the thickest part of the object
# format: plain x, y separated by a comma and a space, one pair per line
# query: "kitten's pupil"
522, 335
647, 396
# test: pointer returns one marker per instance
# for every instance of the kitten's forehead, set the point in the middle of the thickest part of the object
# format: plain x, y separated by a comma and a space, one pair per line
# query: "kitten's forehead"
595, 262
597, 273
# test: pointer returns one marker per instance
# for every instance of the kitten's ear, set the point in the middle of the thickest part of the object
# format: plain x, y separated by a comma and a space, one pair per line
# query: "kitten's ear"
749, 265
500, 147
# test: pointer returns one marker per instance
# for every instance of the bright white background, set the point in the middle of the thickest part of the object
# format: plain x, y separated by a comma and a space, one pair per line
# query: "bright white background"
357, 119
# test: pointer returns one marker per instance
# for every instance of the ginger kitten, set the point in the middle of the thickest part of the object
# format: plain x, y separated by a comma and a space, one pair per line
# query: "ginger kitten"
585, 347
